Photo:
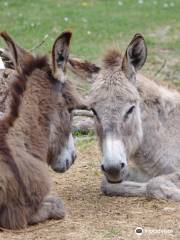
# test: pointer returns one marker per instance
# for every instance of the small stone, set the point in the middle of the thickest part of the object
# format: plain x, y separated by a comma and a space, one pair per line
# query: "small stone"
169, 209
66, 19
6, 4
120, 3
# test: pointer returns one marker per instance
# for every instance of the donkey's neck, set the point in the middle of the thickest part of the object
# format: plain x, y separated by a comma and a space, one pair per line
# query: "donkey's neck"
32, 128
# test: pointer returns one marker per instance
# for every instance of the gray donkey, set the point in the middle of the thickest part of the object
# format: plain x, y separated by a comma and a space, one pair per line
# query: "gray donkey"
136, 120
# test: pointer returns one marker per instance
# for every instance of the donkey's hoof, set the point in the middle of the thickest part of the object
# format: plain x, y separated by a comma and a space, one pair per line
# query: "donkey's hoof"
57, 207
105, 187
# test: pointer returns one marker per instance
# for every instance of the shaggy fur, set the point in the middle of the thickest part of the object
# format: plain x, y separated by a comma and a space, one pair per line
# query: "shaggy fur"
83, 69
6, 78
13, 161
59, 134
113, 58
144, 117
59, 139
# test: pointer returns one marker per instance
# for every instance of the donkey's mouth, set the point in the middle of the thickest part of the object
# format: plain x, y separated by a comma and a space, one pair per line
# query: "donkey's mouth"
114, 182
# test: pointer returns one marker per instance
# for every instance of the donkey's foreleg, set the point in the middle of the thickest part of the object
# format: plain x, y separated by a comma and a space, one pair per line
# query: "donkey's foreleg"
51, 208
137, 175
126, 188
165, 187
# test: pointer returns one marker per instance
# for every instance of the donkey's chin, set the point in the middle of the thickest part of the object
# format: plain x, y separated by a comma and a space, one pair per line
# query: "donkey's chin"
114, 182
64, 164
117, 179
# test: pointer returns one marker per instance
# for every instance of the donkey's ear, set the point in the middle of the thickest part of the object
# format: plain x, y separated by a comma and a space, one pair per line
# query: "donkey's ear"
14, 52
60, 54
135, 56
11, 48
83, 69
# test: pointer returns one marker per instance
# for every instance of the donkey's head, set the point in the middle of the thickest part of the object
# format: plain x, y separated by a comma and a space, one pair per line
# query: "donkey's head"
115, 101
60, 96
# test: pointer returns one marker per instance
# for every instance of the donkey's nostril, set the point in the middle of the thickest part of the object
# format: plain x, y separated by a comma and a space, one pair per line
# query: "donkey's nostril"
122, 165
67, 164
73, 157
102, 168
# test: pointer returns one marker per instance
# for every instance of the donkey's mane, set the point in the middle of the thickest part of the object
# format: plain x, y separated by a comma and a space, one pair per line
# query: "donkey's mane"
17, 89
113, 58
19, 85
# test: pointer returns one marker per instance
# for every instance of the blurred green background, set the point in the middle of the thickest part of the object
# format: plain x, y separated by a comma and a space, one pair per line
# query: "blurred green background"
99, 24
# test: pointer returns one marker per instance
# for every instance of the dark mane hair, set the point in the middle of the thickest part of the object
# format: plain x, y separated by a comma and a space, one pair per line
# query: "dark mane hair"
112, 58
84, 66
17, 90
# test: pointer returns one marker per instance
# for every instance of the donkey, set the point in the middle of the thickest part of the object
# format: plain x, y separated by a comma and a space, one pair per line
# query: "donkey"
38, 94
61, 149
137, 120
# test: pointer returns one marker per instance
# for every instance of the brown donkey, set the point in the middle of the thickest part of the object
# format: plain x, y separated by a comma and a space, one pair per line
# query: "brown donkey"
61, 149
39, 93
137, 120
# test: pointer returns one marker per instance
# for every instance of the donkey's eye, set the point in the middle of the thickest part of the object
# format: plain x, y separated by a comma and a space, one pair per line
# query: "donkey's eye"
130, 111
70, 110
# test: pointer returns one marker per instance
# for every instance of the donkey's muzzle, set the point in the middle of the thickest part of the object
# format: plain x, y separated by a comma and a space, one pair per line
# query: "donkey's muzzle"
114, 174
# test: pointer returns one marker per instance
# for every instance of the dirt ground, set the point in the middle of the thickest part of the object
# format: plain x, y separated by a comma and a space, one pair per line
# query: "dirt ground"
93, 216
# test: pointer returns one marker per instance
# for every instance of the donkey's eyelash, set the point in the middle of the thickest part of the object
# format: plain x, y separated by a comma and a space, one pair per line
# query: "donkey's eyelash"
70, 110
94, 111
131, 109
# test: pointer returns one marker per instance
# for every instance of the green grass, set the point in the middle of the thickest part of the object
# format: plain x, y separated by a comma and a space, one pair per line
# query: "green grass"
84, 144
80, 133
113, 234
96, 25
28, 21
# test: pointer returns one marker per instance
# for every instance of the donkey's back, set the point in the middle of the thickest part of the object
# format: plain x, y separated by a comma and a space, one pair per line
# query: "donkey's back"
160, 109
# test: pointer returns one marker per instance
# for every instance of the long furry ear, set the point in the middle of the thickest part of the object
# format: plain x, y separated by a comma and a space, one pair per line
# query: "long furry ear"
60, 54
135, 55
11, 46
84, 69
14, 52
